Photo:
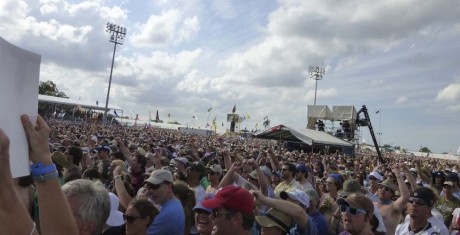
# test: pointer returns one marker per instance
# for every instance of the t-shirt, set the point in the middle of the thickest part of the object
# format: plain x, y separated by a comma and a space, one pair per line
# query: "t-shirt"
320, 222
434, 221
310, 229
170, 221
446, 208
199, 191
404, 229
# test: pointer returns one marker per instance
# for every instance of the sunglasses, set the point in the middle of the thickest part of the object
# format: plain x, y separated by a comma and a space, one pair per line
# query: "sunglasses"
216, 213
417, 201
351, 210
384, 188
130, 218
152, 186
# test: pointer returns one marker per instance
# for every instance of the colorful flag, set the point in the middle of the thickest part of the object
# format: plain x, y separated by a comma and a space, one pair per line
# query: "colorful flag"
210, 109
248, 116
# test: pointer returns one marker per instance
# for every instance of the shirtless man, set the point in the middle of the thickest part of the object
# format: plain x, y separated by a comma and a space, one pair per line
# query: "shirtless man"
389, 209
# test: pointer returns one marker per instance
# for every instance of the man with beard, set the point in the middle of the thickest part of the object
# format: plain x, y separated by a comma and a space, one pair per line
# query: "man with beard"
288, 182
420, 203
357, 211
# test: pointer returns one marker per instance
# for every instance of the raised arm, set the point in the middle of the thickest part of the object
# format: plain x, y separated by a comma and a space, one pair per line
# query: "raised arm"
231, 175
55, 214
289, 208
124, 150
122, 194
401, 202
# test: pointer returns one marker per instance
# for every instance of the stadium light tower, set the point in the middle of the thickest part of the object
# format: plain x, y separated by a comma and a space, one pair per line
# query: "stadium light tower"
316, 73
117, 36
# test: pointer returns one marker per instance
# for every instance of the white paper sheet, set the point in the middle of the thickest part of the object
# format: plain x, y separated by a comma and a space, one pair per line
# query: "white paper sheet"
19, 78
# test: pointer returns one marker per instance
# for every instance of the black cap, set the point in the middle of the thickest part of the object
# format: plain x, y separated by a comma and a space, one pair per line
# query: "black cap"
425, 194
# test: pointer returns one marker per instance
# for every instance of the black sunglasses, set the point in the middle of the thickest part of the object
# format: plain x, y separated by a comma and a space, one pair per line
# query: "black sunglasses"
130, 218
351, 210
417, 201
152, 186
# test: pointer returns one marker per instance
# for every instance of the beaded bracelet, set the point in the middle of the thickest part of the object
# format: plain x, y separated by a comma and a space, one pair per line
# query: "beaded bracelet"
45, 177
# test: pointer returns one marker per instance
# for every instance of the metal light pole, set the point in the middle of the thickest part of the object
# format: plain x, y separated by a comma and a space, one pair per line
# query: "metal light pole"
117, 35
316, 73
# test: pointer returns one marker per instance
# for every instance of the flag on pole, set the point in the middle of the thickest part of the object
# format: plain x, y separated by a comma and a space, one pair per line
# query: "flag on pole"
194, 117
378, 111
169, 115
222, 123
248, 116
210, 109
116, 114
234, 108
266, 117
97, 102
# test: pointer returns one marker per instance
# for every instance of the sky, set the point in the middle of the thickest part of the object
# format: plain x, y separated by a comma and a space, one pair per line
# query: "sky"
182, 57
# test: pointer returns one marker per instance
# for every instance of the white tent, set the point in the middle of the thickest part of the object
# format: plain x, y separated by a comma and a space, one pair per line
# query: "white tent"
307, 136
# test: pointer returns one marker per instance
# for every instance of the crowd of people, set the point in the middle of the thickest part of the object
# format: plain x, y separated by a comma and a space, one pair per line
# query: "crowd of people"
89, 178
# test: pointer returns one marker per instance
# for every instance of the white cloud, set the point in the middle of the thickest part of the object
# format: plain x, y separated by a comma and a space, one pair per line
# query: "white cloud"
401, 100
453, 108
48, 9
450, 93
167, 28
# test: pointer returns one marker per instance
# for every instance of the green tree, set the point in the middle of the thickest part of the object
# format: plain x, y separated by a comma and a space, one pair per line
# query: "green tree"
50, 89
425, 150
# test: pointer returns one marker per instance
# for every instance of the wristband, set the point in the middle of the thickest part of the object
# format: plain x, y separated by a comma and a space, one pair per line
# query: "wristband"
40, 169
45, 177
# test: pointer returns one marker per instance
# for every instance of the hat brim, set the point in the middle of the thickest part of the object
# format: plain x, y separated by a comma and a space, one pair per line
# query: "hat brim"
201, 207
212, 203
266, 222
154, 180
115, 219
344, 201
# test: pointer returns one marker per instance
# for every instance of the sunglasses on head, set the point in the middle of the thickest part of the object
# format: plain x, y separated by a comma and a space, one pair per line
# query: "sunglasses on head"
130, 218
351, 210
152, 186
417, 201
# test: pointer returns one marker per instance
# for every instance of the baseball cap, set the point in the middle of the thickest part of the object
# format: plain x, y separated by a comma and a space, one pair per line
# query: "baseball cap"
376, 175
389, 184
425, 194
357, 201
198, 167
267, 172
275, 218
159, 176
183, 160
450, 183
231, 197
296, 195
103, 148
254, 175
59, 158
115, 216
351, 186
199, 206
312, 195
215, 168
301, 167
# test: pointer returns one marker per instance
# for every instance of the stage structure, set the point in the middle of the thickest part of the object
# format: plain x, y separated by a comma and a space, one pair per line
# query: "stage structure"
344, 114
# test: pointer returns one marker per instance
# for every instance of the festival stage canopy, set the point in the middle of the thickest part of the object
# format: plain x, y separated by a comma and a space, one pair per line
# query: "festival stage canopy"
71, 102
307, 136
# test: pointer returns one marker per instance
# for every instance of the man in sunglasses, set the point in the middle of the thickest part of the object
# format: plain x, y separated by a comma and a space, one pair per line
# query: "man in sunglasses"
232, 211
171, 219
419, 205
357, 211
392, 210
